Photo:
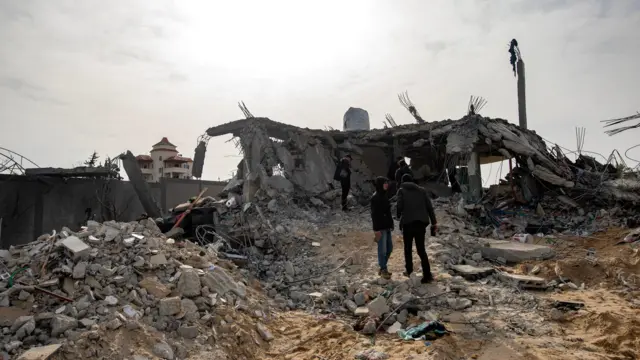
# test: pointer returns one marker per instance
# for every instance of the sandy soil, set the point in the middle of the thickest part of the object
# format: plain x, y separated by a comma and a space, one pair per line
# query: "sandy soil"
607, 328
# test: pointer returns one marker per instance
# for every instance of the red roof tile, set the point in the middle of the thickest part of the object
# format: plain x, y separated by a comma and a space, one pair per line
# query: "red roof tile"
178, 159
144, 158
164, 141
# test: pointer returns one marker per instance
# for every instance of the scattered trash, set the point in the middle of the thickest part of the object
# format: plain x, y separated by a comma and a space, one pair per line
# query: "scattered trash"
430, 330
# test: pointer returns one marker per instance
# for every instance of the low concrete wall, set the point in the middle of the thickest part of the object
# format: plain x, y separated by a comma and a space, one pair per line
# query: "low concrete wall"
31, 206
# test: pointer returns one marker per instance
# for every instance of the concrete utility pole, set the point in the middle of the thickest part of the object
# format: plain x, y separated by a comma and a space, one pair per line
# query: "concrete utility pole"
518, 70
522, 97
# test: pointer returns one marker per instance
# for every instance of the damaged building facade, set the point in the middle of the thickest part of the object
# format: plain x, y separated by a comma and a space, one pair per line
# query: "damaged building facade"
279, 157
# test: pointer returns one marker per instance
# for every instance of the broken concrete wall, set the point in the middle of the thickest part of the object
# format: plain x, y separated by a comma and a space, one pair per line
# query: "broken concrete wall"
377, 160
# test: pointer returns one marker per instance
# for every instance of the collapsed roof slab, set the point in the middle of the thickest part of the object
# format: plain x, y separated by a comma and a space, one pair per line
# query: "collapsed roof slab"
491, 139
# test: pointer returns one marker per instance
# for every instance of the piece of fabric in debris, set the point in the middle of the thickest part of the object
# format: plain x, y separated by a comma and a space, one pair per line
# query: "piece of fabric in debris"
430, 330
371, 354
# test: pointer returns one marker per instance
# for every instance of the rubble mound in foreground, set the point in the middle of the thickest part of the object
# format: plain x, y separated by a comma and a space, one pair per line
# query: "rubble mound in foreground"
123, 290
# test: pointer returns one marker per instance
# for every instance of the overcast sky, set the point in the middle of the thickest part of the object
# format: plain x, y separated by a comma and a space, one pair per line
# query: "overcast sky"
78, 76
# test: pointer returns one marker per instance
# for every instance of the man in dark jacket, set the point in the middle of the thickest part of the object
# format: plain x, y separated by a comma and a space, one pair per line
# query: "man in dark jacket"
382, 224
343, 175
415, 211
391, 176
403, 170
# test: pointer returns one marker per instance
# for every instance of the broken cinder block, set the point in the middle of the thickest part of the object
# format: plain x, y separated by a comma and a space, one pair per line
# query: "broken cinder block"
76, 247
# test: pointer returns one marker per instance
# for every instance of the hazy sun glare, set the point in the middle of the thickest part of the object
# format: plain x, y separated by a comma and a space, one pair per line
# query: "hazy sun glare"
275, 38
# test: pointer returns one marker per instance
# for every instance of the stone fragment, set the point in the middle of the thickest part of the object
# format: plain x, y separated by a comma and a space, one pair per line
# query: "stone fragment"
459, 303
264, 332
189, 283
40, 353
360, 299
158, 259
154, 287
219, 282
472, 272
62, 323
369, 327
289, 269
111, 300
378, 307
350, 305
114, 324
163, 351
12, 345
170, 306
87, 323
361, 311
394, 328
188, 332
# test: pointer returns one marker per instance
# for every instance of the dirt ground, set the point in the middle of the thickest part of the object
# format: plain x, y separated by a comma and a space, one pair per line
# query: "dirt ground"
607, 328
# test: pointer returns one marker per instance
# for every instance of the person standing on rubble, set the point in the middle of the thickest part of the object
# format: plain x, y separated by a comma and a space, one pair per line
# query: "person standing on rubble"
402, 170
382, 222
391, 176
343, 175
415, 211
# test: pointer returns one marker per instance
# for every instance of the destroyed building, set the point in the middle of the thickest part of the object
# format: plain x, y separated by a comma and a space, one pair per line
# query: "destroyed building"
307, 158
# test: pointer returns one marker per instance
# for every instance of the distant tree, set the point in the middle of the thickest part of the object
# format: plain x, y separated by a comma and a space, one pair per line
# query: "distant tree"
112, 165
93, 160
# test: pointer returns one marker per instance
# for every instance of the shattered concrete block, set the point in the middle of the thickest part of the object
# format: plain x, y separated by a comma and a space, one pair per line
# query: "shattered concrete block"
515, 252
170, 306
189, 283
471, 272
163, 351
76, 247
40, 353
378, 307
154, 287
62, 323
523, 281
158, 259
264, 332
219, 282
188, 332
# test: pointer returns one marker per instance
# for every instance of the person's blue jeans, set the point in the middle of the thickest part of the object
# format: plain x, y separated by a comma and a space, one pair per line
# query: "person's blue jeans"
385, 246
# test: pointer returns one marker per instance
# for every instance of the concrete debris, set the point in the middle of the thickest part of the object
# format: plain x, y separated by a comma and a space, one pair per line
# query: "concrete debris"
114, 285
515, 252
378, 307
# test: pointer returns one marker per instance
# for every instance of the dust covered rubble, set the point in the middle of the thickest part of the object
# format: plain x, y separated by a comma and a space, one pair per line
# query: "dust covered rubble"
125, 276
354, 291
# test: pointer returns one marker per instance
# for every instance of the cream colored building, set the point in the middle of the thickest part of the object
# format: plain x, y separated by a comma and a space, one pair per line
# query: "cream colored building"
164, 161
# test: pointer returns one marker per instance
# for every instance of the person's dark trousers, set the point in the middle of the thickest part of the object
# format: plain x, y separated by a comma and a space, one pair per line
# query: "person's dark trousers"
393, 189
345, 192
411, 232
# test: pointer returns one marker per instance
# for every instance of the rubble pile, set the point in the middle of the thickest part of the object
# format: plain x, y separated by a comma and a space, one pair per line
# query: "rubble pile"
79, 290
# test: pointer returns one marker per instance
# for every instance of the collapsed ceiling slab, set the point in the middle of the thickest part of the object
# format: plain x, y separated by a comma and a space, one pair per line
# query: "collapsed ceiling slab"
308, 156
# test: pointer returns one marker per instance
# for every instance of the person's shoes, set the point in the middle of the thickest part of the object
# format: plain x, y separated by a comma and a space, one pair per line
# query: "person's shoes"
427, 279
385, 274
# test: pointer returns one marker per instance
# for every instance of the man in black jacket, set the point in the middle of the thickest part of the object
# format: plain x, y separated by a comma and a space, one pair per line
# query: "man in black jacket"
403, 170
391, 176
382, 224
343, 175
415, 211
